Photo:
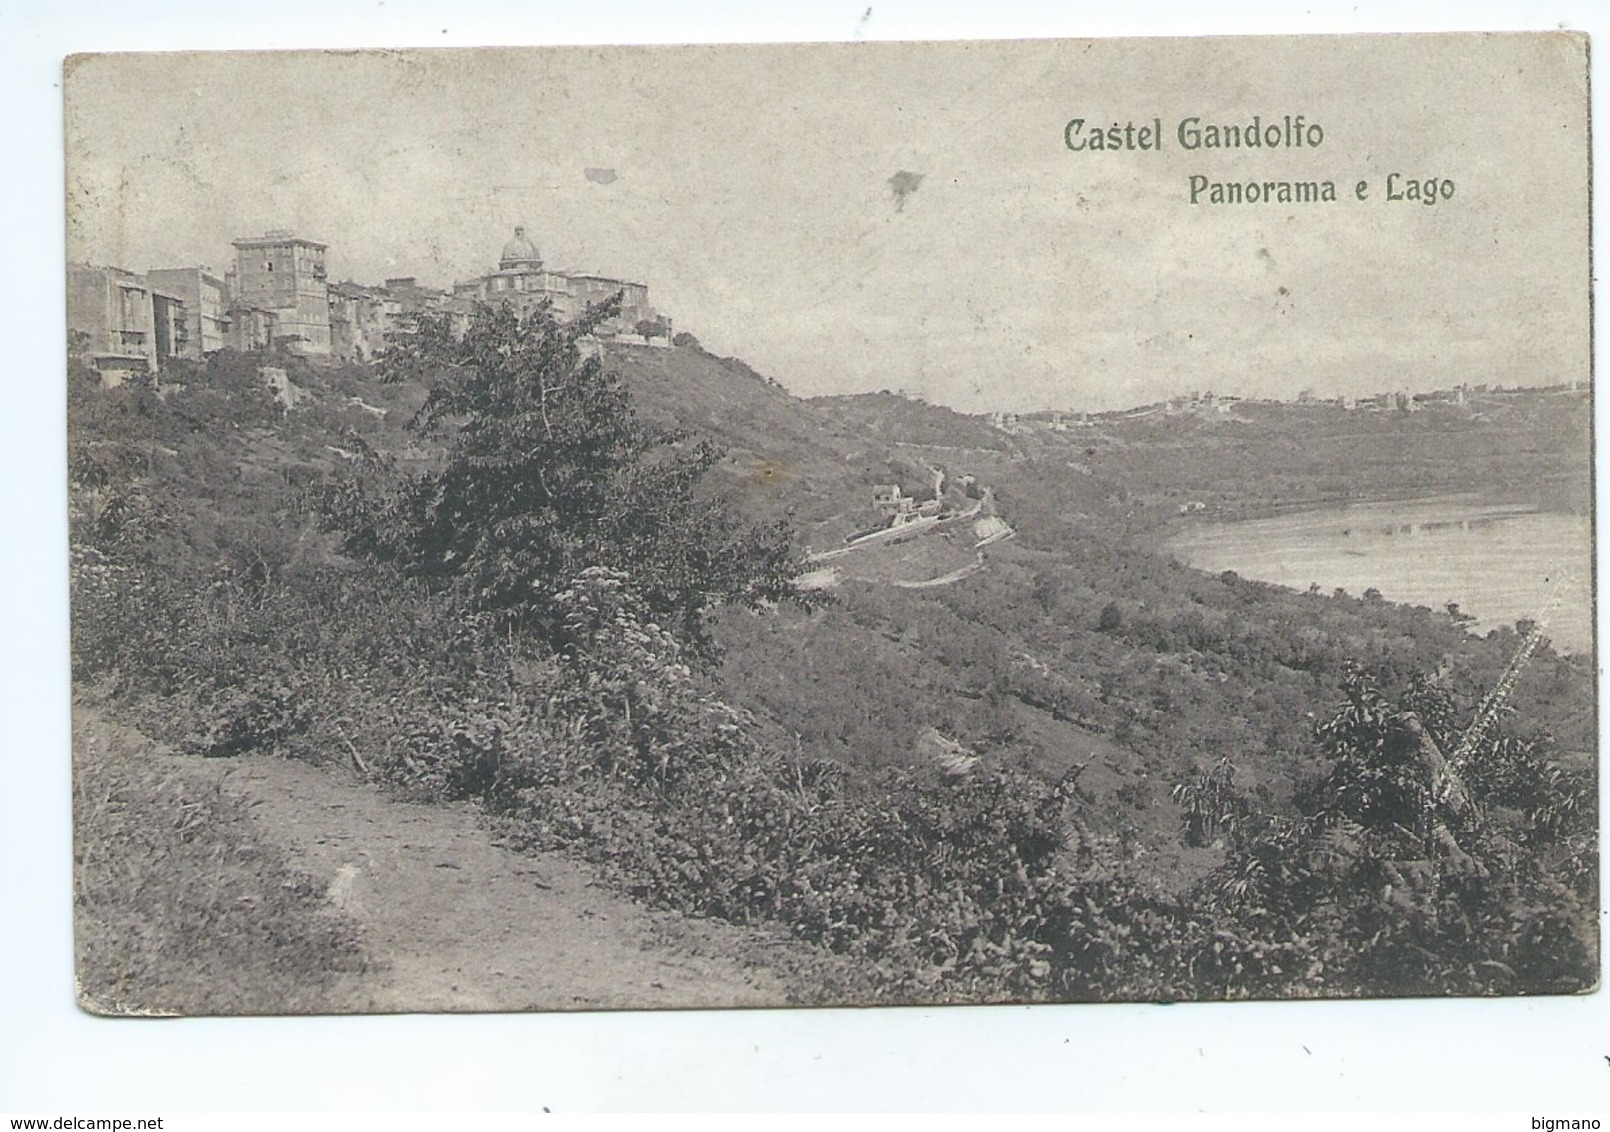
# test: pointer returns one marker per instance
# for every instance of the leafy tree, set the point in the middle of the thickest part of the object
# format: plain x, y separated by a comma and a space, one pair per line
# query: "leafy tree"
1112, 618
548, 472
1210, 803
1422, 864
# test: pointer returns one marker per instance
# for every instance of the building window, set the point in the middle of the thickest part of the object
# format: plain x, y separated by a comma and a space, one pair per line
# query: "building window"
132, 303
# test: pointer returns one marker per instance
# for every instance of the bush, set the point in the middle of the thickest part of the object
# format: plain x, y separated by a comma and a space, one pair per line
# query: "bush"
177, 908
522, 622
546, 472
1406, 874
945, 886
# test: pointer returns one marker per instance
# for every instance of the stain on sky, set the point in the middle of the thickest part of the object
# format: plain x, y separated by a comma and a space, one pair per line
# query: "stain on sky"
903, 184
601, 176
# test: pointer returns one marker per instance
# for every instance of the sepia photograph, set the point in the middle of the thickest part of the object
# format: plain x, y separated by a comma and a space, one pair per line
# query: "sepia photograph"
839, 524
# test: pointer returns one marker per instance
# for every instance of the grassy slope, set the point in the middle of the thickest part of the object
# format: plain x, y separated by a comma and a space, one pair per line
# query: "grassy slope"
180, 908
1077, 645
783, 459
1018, 663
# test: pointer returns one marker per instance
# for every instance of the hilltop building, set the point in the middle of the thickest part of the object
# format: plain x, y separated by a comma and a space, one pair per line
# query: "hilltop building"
206, 321
283, 273
277, 296
523, 281
887, 499
362, 317
127, 325
112, 309
249, 328
404, 295
520, 280
358, 321
168, 334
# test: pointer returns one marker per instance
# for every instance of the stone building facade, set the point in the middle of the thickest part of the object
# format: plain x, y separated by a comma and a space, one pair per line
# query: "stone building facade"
206, 305
358, 321
110, 319
363, 317
285, 274
120, 324
277, 296
524, 282
249, 328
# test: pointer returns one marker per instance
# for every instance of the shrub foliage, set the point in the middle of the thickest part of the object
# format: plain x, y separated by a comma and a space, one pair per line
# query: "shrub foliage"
508, 603
547, 471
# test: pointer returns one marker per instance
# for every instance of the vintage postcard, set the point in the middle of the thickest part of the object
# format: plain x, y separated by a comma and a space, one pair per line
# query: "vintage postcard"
971, 522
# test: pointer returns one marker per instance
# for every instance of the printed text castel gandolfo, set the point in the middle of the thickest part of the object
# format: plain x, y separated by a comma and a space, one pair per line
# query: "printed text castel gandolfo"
1282, 132
1285, 132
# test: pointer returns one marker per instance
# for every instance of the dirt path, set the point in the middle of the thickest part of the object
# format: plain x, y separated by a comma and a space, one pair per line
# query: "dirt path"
451, 922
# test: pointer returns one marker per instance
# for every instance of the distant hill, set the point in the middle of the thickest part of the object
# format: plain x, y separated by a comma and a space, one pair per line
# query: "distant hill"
1073, 646
1079, 647
813, 462
784, 459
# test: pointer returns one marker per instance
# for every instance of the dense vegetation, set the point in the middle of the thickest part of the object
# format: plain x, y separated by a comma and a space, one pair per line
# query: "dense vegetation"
180, 910
546, 472
1168, 785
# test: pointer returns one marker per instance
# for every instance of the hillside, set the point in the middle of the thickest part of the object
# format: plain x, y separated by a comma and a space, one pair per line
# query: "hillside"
1247, 458
997, 687
391, 907
783, 459
786, 457
1079, 644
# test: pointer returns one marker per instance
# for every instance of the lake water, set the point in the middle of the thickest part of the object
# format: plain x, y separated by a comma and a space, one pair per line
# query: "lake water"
1500, 563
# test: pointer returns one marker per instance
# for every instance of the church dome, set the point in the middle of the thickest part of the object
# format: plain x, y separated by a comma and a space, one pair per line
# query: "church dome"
519, 252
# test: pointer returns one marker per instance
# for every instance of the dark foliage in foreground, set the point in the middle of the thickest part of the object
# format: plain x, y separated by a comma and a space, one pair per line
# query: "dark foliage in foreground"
965, 887
178, 909
568, 701
1419, 864
547, 471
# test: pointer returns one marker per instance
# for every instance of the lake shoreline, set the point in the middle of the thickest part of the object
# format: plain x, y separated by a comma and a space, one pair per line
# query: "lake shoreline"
1561, 502
1497, 561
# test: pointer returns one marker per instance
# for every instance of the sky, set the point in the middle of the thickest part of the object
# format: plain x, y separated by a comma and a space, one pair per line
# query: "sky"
754, 190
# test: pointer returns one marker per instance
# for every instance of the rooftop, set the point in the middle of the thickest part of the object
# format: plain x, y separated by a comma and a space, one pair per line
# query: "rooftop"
519, 252
277, 238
